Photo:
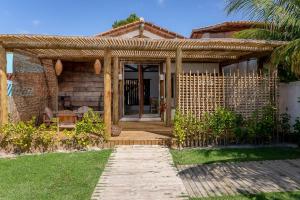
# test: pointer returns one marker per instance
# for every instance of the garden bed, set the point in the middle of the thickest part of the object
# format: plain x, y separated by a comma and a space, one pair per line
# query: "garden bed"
27, 137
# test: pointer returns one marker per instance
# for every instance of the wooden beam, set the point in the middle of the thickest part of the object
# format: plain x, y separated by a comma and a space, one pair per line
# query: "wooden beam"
136, 47
107, 91
116, 91
3, 88
168, 91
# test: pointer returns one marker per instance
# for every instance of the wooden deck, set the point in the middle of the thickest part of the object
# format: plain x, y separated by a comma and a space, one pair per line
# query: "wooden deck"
241, 178
142, 133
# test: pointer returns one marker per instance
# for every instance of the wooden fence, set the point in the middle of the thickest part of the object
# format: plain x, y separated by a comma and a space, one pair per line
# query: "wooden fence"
241, 93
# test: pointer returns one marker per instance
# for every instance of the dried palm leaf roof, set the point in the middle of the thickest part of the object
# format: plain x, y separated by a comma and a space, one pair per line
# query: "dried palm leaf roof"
45, 46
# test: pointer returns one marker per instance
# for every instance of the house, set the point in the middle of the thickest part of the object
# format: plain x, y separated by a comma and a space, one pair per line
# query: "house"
139, 62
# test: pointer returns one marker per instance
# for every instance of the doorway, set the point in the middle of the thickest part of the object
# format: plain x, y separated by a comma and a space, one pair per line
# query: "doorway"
141, 90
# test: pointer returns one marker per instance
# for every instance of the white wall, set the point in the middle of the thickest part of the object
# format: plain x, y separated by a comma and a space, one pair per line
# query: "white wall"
288, 99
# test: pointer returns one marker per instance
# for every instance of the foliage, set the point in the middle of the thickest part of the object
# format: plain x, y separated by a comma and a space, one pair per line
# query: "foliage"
240, 131
262, 123
179, 124
26, 137
45, 138
297, 130
91, 123
19, 136
220, 121
131, 18
277, 20
226, 127
285, 127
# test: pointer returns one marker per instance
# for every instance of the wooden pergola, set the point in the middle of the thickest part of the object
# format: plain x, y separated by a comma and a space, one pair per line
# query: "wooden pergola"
106, 48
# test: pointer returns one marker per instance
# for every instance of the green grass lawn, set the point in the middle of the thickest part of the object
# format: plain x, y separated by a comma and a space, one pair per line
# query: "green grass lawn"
201, 156
263, 196
52, 176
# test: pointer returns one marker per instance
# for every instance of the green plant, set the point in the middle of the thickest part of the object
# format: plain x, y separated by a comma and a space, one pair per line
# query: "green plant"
131, 18
284, 122
45, 138
240, 130
221, 122
276, 20
297, 130
91, 123
18, 136
262, 124
179, 131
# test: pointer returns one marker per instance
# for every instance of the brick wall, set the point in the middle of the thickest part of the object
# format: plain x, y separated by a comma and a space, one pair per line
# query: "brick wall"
30, 91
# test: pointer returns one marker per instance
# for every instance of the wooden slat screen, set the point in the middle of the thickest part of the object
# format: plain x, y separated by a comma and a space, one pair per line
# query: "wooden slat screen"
241, 93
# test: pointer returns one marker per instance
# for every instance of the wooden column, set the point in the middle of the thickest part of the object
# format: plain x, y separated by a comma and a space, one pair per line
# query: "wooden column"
3, 88
178, 70
107, 91
168, 91
178, 61
141, 90
116, 91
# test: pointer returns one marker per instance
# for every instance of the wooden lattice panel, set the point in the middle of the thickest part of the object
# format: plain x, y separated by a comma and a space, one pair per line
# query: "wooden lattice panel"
242, 93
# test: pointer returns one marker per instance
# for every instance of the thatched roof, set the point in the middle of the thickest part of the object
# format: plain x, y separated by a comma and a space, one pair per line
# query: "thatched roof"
68, 47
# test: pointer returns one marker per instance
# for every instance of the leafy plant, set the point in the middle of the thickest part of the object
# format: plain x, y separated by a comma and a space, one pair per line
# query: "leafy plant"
285, 127
91, 123
297, 130
276, 20
179, 126
220, 122
45, 138
18, 136
131, 18
262, 124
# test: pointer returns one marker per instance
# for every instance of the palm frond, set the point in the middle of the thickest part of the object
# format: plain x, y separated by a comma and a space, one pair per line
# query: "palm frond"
259, 34
288, 55
281, 15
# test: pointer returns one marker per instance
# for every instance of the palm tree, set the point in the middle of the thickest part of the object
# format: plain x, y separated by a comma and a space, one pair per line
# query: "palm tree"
277, 20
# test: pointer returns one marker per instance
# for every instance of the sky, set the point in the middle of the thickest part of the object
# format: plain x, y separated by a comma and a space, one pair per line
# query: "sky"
89, 17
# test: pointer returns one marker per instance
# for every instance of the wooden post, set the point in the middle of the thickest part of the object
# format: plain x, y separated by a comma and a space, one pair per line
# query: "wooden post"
141, 90
3, 88
116, 91
107, 91
178, 70
168, 91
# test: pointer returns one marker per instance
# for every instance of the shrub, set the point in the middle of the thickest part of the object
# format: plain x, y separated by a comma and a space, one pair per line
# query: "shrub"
91, 123
179, 131
18, 136
262, 124
240, 131
221, 122
45, 138
297, 130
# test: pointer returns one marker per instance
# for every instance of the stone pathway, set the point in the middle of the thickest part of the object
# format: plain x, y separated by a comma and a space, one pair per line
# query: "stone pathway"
246, 177
140, 172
